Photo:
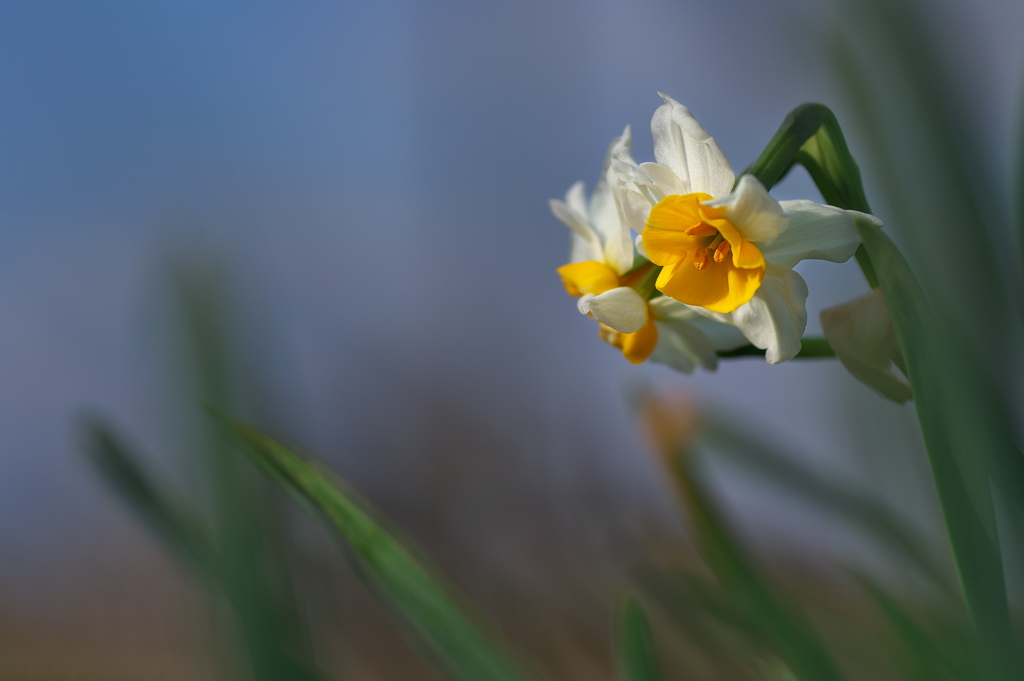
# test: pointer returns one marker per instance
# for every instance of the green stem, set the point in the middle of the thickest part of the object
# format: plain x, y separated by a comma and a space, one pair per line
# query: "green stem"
810, 136
810, 348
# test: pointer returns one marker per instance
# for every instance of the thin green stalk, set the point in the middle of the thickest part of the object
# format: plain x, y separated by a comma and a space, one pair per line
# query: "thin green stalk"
810, 348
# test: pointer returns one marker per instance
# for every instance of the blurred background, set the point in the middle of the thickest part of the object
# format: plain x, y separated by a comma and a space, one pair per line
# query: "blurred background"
332, 219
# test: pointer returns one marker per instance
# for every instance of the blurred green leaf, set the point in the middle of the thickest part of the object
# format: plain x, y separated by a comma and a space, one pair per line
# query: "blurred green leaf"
255, 556
844, 501
634, 642
923, 655
722, 631
791, 635
393, 574
270, 657
177, 527
959, 438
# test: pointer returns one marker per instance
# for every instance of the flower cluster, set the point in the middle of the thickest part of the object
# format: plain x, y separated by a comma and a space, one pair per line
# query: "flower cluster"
711, 266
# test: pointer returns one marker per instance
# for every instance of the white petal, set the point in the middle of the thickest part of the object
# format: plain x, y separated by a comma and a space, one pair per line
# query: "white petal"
775, 318
621, 308
815, 232
861, 334
636, 201
663, 177
586, 244
604, 209
689, 151
576, 198
752, 211
638, 244
668, 309
722, 336
682, 346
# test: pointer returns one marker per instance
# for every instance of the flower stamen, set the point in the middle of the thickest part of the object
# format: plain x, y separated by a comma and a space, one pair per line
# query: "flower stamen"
700, 258
722, 251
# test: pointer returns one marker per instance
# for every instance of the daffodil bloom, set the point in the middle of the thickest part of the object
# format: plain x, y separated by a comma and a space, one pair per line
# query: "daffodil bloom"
726, 247
615, 286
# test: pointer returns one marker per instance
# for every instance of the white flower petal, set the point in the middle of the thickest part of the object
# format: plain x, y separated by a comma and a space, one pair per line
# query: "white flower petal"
576, 198
621, 308
663, 177
815, 232
775, 318
664, 308
861, 334
604, 209
585, 244
635, 201
722, 336
682, 347
752, 211
689, 151
638, 244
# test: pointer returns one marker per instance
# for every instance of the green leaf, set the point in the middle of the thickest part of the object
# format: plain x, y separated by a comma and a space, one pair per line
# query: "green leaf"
792, 637
405, 587
256, 560
634, 642
960, 439
176, 526
270, 645
924, 655
720, 630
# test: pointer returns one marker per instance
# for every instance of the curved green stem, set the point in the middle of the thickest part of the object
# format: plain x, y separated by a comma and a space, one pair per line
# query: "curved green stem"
810, 136
810, 348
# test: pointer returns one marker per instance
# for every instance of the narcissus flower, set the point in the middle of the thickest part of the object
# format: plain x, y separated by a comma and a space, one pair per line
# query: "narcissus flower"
615, 286
727, 248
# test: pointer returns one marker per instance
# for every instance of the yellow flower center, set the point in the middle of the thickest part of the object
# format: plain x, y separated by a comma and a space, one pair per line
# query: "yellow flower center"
591, 276
705, 261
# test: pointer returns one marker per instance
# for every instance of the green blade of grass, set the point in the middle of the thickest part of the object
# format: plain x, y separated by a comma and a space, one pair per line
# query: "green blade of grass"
270, 657
721, 632
257, 564
791, 636
406, 587
960, 437
178, 528
923, 655
634, 642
